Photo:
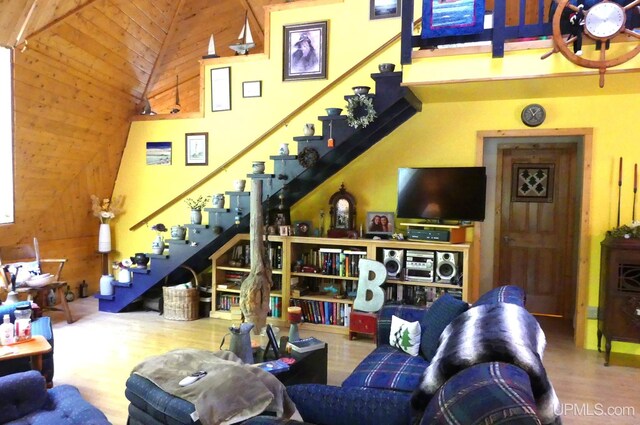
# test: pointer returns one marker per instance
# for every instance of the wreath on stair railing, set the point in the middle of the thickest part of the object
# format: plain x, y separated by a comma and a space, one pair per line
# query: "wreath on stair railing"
360, 111
308, 157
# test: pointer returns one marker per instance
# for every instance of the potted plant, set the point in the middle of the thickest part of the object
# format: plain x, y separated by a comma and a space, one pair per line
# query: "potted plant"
157, 246
196, 205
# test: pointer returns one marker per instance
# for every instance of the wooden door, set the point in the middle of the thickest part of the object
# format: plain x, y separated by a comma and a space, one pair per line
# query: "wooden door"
535, 217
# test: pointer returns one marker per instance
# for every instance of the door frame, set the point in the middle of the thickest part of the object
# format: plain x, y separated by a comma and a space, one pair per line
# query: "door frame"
583, 224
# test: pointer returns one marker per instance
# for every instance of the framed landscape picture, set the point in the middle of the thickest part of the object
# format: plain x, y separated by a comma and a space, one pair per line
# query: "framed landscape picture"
158, 153
196, 148
381, 9
305, 51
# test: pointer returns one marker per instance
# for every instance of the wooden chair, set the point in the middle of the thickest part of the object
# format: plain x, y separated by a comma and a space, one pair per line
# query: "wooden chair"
24, 253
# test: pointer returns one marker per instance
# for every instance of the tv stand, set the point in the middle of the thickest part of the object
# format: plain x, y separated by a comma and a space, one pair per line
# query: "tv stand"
444, 233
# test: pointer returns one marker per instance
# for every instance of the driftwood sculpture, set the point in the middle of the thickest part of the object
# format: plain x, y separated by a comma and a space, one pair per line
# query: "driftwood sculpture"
255, 289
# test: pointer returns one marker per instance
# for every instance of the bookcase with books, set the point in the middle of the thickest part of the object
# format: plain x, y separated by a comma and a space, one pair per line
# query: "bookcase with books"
320, 275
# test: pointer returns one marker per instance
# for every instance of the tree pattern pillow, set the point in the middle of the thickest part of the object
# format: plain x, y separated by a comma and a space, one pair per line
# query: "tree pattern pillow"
405, 335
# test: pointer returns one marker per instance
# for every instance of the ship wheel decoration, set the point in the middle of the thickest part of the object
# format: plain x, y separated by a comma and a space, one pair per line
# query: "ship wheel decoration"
602, 22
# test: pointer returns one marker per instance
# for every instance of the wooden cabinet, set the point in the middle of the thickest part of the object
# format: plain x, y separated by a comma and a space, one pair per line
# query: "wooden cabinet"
321, 275
619, 303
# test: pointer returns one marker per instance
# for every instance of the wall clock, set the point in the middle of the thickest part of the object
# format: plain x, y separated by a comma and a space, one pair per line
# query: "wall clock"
533, 115
602, 22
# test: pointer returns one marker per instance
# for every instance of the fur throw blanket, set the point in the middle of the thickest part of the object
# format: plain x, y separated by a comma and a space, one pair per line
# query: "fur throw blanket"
501, 332
230, 392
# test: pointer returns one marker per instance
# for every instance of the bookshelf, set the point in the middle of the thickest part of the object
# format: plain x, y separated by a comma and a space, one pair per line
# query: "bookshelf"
320, 275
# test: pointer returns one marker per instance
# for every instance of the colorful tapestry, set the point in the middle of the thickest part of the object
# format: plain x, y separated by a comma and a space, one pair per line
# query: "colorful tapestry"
441, 18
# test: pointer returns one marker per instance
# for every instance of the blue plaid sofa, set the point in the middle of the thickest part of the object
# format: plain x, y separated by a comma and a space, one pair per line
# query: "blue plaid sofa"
380, 388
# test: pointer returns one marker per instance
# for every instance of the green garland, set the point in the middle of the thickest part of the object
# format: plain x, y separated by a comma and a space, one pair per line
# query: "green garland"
360, 111
625, 231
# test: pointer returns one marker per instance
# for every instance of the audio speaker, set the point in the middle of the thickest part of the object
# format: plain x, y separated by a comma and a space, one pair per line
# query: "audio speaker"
393, 260
446, 267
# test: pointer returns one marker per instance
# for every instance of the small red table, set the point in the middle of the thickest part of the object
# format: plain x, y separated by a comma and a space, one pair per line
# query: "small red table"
363, 323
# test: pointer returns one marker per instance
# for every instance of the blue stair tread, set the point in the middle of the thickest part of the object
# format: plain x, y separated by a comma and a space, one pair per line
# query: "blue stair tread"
104, 297
234, 193
283, 157
121, 284
349, 96
143, 271
332, 117
176, 242
394, 74
307, 138
261, 176
200, 226
214, 210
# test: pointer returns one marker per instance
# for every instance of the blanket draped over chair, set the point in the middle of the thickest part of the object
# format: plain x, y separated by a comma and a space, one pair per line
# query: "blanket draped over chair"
499, 332
230, 392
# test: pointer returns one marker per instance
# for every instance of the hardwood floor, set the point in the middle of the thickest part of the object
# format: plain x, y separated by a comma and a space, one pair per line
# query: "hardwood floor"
97, 352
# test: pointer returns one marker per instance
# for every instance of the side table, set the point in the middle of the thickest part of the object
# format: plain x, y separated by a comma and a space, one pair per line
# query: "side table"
33, 348
309, 367
363, 323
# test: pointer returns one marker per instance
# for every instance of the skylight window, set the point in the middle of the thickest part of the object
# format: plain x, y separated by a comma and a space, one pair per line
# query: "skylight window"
6, 138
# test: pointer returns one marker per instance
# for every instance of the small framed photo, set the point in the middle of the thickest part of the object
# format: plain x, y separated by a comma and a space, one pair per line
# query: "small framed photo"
221, 89
380, 223
302, 228
381, 9
252, 89
305, 51
158, 153
196, 148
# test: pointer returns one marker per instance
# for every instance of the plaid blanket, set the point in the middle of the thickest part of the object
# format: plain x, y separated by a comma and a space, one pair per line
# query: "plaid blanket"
499, 332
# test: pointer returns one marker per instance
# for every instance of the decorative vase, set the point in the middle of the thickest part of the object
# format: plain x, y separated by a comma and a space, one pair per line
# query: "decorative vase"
178, 232
106, 288
196, 217
309, 129
239, 185
140, 260
284, 149
104, 238
218, 200
258, 167
157, 246
124, 276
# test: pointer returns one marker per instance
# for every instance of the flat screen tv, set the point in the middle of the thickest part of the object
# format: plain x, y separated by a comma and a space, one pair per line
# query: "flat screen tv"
446, 193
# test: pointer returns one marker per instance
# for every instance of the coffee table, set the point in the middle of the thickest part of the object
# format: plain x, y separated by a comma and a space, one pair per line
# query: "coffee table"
34, 348
309, 367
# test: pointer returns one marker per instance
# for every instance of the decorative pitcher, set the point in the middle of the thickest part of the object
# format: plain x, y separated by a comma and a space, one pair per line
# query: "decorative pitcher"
178, 232
309, 129
157, 246
240, 343
218, 200
284, 149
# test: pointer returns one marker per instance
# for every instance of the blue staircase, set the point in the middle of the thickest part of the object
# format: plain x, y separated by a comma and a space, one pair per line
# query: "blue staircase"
393, 104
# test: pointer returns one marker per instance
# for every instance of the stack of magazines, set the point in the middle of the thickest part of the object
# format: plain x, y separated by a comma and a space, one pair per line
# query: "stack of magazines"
306, 345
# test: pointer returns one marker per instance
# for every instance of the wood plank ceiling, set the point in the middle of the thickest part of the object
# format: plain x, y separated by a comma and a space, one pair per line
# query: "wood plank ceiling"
81, 70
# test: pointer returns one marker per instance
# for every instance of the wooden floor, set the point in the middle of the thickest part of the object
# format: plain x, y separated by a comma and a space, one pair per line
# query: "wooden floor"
97, 352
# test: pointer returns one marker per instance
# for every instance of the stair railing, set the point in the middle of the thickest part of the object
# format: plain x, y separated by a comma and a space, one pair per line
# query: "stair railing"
272, 130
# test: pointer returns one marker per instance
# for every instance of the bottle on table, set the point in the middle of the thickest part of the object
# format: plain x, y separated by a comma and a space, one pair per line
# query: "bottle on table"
23, 323
7, 335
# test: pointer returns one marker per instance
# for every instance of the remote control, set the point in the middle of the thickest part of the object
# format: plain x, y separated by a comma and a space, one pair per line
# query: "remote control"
192, 378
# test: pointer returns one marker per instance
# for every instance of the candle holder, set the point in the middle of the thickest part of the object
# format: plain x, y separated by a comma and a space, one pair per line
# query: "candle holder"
295, 317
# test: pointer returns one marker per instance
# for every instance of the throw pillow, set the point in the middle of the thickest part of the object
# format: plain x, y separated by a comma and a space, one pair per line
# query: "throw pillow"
436, 318
405, 335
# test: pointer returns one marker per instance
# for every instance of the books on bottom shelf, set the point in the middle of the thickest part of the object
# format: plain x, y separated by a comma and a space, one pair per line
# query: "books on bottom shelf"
306, 344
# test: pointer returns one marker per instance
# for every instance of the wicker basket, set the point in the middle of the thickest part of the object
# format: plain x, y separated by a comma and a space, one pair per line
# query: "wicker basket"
181, 303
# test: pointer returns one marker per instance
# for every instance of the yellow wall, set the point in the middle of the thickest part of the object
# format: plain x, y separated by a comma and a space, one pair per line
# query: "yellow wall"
443, 134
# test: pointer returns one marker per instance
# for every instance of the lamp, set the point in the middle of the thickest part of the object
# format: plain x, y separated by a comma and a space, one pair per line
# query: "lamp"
295, 317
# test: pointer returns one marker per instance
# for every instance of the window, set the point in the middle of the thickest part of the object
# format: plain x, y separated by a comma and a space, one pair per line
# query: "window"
6, 138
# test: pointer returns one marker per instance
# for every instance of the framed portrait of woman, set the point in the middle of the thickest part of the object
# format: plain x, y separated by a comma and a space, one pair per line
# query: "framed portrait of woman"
380, 223
305, 51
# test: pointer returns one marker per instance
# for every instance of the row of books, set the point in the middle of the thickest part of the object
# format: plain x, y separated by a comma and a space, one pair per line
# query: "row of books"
334, 261
274, 255
323, 312
233, 280
275, 306
226, 302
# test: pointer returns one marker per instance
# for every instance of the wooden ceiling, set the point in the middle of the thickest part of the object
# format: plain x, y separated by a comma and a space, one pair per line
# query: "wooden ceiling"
81, 71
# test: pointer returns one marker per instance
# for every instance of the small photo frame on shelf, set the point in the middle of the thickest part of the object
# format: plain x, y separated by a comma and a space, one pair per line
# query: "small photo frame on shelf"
196, 148
272, 343
302, 228
221, 89
158, 153
382, 9
252, 89
305, 51
380, 223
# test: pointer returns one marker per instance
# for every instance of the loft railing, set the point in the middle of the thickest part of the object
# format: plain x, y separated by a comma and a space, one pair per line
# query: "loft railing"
512, 20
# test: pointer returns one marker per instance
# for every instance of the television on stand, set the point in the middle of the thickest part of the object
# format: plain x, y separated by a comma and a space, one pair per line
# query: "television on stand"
442, 194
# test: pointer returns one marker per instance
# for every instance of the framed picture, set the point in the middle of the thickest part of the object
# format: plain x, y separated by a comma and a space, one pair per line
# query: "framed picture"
302, 228
532, 182
380, 223
221, 89
196, 148
158, 153
381, 9
305, 51
252, 89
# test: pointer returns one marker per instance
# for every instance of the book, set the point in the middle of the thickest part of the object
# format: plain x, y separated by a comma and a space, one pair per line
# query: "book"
273, 366
306, 344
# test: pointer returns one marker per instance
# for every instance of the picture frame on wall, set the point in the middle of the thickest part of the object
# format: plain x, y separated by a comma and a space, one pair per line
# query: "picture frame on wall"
158, 153
196, 148
302, 228
380, 223
221, 89
305, 51
252, 89
382, 9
